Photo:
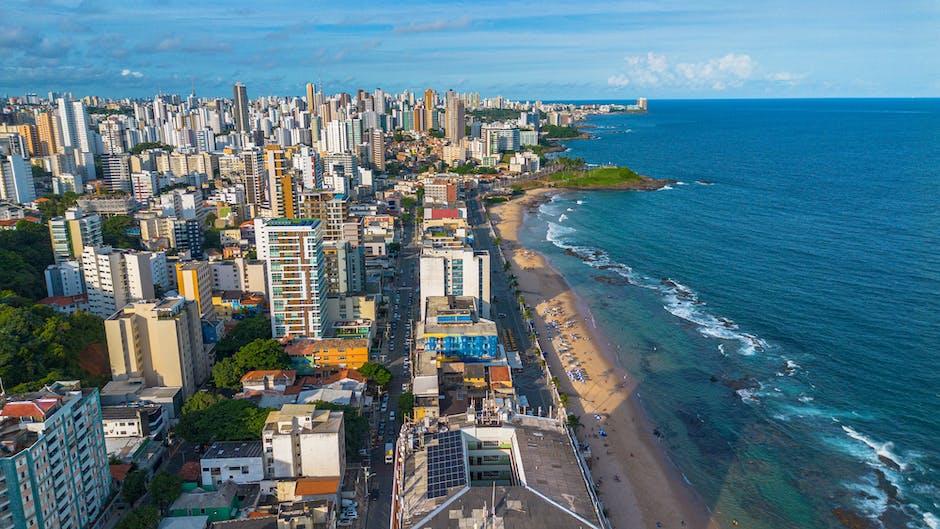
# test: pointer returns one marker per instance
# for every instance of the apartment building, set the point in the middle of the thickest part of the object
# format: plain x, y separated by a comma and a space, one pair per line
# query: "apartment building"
160, 341
301, 441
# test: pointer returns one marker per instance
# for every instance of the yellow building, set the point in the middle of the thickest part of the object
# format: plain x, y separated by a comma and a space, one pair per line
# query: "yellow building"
194, 280
46, 130
307, 355
281, 182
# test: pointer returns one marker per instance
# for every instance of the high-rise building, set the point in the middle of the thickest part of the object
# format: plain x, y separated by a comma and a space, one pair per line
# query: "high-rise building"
377, 149
456, 121
112, 136
16, 179
311, 98
160, 341
456, 272
74, 124
46, 128
64, 279
114, 278
54, 462
430, 109
331, 209
31, 137
281, 186
72, 232
116, 172
240, 108
293, 249
301, 441
194, 282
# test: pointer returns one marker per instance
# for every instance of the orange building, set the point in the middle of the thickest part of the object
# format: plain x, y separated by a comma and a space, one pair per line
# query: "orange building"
307, 355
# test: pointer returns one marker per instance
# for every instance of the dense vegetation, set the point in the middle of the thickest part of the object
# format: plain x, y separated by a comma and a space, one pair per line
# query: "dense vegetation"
24, 255
472, 169
406, 403
245, 332
114, 231
141, 147
555, 131
55, 205
39, 346
146, 517
596, 177
208, 418
259, 354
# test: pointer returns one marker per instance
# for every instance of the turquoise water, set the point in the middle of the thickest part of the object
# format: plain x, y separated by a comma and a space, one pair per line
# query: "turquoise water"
779, 304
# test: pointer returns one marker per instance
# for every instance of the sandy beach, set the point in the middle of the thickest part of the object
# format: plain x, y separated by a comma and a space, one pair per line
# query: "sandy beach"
638, 484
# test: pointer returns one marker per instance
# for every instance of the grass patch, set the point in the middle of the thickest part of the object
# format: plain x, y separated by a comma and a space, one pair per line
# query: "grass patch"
596, 177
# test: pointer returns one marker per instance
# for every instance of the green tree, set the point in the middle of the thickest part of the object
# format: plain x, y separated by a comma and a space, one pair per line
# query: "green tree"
165, 488
376, 373
114, 231
225, 420
406, 403
573, 421
135, 486
259, 354
143, 146
55, 205
200, 401
146, 517
24, 255
246, 331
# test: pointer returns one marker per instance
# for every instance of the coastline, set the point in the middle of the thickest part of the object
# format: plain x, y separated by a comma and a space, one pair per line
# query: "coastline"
638, 484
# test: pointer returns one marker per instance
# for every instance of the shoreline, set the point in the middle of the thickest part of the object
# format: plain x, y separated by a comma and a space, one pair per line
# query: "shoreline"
639, 484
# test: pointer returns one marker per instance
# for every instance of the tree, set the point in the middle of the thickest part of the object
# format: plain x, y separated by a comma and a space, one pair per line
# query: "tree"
200, 401
246, 331
165, 488
406, 403
135, 486
259, 354
573, 421
24, 255
143, 146
376, 373
146, 517
55, 205
224, 420
114, 231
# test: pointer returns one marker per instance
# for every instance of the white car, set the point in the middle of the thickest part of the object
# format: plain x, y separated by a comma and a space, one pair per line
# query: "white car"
404, 387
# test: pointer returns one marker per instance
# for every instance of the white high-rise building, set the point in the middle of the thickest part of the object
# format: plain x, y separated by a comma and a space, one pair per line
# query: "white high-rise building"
293, 250
16, 180
114, 278
456, 272
64, 279
302, 441
334, 138
74, 123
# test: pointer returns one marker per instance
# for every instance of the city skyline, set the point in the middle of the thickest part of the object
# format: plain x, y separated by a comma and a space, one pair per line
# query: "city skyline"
653, 49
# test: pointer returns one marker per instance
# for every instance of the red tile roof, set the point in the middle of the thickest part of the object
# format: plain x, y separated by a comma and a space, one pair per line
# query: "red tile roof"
36, 409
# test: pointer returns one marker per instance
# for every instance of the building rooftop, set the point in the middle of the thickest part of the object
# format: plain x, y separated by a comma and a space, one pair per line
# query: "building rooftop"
543, 485
233, 449
184, 522
316, 486
204, 499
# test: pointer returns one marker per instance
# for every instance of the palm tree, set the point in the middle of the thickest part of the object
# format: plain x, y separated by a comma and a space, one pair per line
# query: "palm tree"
573, 422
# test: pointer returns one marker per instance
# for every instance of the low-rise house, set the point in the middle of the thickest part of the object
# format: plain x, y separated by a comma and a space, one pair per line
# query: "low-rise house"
276, 380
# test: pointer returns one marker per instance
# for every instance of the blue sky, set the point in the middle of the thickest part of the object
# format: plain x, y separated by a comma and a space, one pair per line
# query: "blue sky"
521, 49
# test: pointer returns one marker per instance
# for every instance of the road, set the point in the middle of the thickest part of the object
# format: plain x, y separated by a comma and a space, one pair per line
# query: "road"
531, 381
403, 303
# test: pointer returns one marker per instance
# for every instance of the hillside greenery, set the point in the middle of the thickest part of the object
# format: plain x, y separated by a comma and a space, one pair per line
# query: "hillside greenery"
24, 255
596, 177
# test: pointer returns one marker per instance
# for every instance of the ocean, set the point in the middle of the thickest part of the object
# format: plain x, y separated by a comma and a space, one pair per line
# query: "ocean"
780, 304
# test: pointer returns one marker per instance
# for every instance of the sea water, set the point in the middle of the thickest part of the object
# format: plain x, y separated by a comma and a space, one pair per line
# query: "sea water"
779, 304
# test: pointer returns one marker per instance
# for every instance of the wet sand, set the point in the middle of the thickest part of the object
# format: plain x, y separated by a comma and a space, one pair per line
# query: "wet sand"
639, 486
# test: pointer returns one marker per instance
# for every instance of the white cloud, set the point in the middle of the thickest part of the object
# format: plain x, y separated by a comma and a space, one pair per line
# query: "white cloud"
653, 69
131, 73
618, 81
434, 25
787, 78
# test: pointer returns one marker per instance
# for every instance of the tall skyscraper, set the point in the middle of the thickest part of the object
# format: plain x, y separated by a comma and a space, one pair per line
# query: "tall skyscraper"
281, 186
430, 108
46, 128
293, 249
74, 123
312, 98
194, 282
240, 108
377, 149
54, 463
456, 121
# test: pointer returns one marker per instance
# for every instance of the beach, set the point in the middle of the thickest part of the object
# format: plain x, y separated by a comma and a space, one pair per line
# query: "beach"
638, 484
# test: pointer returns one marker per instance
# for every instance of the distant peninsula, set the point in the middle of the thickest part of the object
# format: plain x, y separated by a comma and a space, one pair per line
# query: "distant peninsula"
575, 174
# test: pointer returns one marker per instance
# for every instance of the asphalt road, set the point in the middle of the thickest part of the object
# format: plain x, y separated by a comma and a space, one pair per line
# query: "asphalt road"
404, 300
531, 381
